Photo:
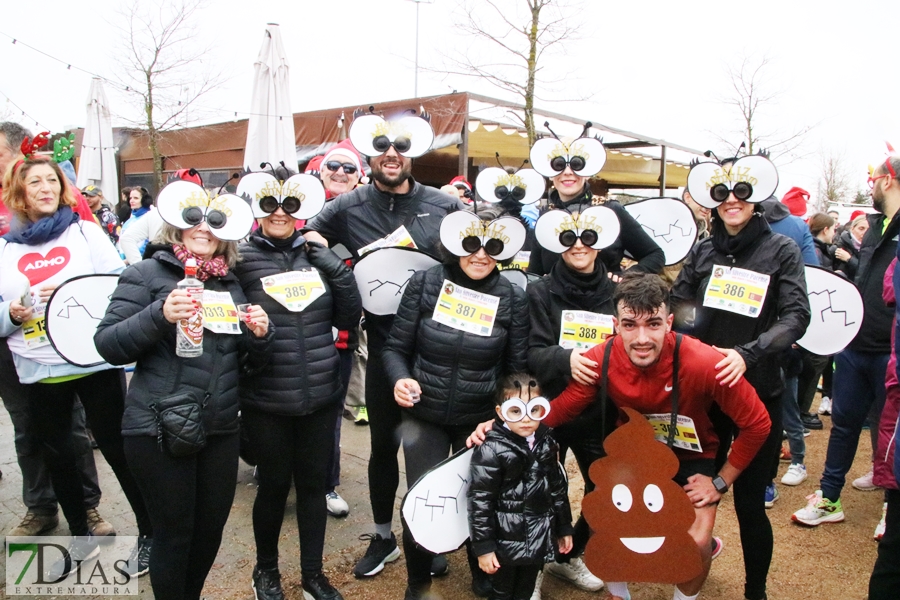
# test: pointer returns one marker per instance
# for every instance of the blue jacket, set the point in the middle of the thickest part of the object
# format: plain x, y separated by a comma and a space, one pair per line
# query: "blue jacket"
782, 221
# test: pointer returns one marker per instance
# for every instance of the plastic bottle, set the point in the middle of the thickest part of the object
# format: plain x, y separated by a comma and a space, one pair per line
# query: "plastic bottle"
189, 339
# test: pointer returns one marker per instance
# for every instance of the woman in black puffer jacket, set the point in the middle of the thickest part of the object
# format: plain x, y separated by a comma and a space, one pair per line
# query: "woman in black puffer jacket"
289, 409
445, 377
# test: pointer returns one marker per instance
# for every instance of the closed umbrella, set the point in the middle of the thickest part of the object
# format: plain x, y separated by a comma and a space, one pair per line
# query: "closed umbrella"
270, 131
97, 165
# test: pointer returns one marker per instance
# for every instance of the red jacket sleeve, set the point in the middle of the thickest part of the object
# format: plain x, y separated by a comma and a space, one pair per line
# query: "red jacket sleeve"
576, 397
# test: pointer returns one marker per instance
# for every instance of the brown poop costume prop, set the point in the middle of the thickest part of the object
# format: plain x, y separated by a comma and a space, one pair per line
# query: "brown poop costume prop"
640, 517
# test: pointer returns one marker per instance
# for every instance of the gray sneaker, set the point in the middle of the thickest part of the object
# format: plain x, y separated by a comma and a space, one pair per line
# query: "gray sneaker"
82, 549
35, 524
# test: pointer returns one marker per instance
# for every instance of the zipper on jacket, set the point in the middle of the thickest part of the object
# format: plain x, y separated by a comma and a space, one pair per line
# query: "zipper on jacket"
391, 205
459, 338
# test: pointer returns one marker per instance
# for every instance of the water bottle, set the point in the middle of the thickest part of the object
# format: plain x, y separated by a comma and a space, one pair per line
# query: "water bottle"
189, 339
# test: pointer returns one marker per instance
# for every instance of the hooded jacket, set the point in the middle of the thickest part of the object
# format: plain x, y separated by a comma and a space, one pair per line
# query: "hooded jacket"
303, 373
875, 254
134, 329
518, 499
885, 455
850, 267
457, 371
782, 221
632, 237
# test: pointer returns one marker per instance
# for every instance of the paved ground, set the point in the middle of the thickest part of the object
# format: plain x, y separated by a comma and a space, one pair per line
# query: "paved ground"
829, 561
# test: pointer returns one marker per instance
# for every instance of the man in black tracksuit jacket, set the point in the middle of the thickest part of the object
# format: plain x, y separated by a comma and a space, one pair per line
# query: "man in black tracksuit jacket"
356, 219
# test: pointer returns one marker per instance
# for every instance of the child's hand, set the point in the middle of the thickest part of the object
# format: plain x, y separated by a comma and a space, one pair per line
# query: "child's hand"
489, 564
565, 544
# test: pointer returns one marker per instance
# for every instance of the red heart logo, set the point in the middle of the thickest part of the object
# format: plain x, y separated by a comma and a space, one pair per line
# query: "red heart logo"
39, 267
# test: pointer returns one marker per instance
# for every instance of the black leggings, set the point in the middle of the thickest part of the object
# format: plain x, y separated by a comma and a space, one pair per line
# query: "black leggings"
384, 424
885, 578
103, 396
749, 496
514, 582
287, 447
188, 499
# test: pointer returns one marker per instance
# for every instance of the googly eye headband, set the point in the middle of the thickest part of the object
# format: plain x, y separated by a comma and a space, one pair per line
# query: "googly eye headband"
585, 155
372, 135
184, 205
596, 227
525, 186
463, 234
300, 196
750, 178
514, 410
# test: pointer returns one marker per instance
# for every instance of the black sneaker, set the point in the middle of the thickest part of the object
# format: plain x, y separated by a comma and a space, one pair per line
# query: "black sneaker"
439, 566
267, 584
380, 551
811, 421
481, 584
82, 549
139, 561
317, 587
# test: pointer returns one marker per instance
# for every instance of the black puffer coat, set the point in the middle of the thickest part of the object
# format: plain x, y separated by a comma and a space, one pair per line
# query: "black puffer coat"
303, 374
850, 267
457, 371
134, 329
632, 237
518, 499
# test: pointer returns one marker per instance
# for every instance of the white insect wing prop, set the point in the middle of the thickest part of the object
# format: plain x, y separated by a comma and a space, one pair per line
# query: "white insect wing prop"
519, 277
73, 313
526, 186
555, 228
184, 204
435, 509
709, 183
382, 275
263, 190
463, 233
669, 222
411, 136
836, 308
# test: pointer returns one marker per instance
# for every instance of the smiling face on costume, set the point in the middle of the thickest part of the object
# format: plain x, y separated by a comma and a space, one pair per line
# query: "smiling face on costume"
391, 169
134, 199
200, 241
643, 334
478, 265
338, 182
568, 184
42, 191
580, 258
278, 225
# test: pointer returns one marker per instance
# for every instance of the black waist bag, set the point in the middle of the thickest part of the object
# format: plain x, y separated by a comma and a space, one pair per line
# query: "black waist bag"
179, 422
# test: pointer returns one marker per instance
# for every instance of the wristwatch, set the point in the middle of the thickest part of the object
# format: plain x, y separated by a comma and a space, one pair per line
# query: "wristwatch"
720, 484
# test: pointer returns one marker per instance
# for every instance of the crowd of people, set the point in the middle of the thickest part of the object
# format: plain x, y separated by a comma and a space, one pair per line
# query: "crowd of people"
511, 381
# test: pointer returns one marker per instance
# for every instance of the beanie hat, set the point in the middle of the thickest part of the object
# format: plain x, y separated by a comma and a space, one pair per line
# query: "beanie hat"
345, 148
855, 214
795, 199
460, 181
187, 175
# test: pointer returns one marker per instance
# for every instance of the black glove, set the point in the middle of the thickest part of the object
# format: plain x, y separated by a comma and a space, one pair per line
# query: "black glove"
326, 261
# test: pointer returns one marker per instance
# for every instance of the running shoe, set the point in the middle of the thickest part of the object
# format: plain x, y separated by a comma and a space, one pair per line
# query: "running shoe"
796, 474
865, 483
825, 406
879, 529
336, 506
819, 510
379, 552
771, 495
717, 546
362, 416
577, 573
267, 584
785, 454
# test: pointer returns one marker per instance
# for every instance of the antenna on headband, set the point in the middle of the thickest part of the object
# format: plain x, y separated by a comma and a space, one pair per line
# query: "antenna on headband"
233, 176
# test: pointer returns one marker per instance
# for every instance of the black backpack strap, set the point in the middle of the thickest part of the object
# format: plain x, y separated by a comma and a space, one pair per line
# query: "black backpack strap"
604, 376
673, 421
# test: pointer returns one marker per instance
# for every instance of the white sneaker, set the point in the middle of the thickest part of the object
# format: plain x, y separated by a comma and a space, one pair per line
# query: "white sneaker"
865, 483
819, 510
536, 594
879, 529
825, 406
577, 573
796, 474
337, 506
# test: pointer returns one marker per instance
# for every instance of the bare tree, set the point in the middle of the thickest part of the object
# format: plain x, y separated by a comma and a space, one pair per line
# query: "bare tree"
163, 68
752, 93
834, 181
517, 36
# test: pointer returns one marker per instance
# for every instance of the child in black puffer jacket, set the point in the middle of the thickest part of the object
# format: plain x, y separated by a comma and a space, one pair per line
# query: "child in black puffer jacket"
518, 498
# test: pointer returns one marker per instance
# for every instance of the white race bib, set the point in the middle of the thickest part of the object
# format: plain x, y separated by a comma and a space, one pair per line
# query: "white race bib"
686, 436
465, 309
400, 237
34, 330
294, 290
581, 329
219, 313
736, 290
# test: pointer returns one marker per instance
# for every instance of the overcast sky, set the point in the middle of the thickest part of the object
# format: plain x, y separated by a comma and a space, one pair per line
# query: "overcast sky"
655, 67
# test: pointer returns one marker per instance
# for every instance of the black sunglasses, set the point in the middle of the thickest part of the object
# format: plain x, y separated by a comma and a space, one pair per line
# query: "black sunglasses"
472, 244
333, 165
558, 163
382, 143
502, 192
588, 237
741, 190
270, 204
193, 216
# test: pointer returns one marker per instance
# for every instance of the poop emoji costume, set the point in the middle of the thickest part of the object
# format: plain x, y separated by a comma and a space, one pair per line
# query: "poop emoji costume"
639, 515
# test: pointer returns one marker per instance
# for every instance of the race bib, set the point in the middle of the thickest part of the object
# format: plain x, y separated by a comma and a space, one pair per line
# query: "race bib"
736, 290
521, 260
686, 436
580, 329
294, 290
34, 329
466, 310
219, 313
400, 237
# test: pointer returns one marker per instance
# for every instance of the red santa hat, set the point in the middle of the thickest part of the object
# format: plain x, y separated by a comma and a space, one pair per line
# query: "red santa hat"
314, 167
855, 214
345, 148
187, 175
795, 199
460, 181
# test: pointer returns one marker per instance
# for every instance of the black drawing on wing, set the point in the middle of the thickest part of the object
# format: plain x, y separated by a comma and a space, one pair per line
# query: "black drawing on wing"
830, 307
400, 286
442, 504
72, 304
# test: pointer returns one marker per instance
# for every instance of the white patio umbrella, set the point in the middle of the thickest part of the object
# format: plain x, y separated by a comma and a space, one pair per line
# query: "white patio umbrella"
270, 132
97, 165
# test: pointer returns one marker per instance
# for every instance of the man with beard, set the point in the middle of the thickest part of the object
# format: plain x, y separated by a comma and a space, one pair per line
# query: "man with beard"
859, 389
356, 219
